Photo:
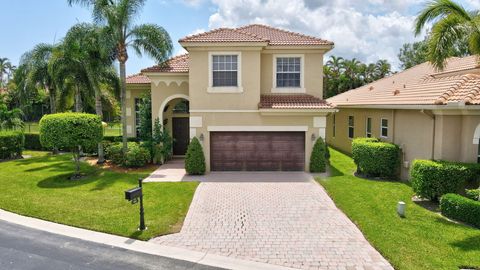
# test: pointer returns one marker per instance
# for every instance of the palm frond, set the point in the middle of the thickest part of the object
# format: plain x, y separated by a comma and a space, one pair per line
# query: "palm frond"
152, 40
440, 9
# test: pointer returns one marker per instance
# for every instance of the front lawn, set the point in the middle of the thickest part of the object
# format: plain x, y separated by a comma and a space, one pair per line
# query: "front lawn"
423, 240
39, 187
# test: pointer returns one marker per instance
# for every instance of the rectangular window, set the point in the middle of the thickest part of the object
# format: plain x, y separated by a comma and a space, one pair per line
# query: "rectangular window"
351, 127
224, 70
368, 127
137, 116
384, 128
288, 72
334, 126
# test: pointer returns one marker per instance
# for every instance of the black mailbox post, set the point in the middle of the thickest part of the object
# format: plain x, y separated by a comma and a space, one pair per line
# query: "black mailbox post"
135, 195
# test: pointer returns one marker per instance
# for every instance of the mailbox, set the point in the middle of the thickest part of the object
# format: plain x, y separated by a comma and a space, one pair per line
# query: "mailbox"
133, 194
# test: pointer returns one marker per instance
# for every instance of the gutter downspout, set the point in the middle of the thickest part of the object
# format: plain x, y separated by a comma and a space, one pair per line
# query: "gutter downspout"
432, 116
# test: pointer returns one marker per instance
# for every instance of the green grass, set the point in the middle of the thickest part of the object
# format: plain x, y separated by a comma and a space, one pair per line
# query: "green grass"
113, 129
422, 240
39, 187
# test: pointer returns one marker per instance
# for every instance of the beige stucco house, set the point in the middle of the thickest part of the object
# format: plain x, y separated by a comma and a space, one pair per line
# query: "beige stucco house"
252, 95
430, 114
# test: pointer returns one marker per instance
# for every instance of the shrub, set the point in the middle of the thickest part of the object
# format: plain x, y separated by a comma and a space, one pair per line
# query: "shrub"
318, 159
463, 209
11, 144
431, 179
32, 142
473, 194
195, 159
376, 158
136, 156
72, 131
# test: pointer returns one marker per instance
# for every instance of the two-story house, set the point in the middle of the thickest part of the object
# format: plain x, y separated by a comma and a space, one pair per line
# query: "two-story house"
252, 95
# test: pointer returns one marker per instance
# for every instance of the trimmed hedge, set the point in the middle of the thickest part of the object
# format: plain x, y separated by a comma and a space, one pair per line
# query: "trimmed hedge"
375, 158
463, 209
318, 159
11, 144
32, 142
137, 156
473, 194
432, 179
195, 159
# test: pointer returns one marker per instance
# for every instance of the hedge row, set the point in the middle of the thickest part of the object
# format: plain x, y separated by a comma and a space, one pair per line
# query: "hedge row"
473, 194
432, 179
11, 144
137, 156
375, 158
463, 209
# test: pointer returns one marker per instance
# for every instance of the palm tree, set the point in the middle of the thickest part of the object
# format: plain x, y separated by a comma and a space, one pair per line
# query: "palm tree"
118, 17
5, 68
81, 59
36, 62
382, 69
335, 64
452, 23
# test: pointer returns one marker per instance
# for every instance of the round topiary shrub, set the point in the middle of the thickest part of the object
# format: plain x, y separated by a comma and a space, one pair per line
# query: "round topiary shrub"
432, 179
11, 144
375, 158
318, 159
72, 131
195, 159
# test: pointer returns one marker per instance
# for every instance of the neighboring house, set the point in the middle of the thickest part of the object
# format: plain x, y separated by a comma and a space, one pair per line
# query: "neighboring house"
252, 95
430, 114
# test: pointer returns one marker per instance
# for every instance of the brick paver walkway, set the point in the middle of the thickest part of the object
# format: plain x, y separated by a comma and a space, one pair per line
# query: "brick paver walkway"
292, 224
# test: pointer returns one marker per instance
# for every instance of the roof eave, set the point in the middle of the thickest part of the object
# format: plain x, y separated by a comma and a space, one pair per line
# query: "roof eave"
190, 44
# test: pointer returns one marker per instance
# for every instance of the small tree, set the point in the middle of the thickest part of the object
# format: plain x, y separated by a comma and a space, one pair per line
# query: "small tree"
318, 159
195, 159
72, 131
162, 143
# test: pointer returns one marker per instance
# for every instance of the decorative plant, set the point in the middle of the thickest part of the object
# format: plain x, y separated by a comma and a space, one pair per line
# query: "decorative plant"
195, 159
318, 159
72, 131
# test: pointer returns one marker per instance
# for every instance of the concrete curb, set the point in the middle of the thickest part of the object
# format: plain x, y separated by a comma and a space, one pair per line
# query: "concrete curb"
203, 258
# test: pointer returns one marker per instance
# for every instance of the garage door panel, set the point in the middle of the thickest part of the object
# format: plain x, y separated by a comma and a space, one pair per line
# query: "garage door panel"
257, 151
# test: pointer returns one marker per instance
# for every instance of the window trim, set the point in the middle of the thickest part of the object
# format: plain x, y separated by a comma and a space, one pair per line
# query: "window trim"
366, 127
300, 89
353, 127
382, 126
225, 89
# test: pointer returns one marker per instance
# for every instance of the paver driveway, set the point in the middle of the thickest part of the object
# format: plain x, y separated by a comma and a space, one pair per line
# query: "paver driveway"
293, 224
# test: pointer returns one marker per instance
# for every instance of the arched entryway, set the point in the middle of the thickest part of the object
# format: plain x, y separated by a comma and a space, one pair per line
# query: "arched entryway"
175, 114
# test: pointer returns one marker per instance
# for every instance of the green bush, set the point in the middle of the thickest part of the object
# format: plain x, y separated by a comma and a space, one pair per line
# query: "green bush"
71, 131
473, 194
11, 144
32, 142
375, 158
431, 179
195, 159
136, 156
463, 209
318, 159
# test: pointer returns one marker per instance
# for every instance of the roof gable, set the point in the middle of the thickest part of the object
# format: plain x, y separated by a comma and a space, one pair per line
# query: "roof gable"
176, 64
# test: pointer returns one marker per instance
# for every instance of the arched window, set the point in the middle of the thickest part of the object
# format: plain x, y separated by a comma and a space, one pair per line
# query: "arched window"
182, 107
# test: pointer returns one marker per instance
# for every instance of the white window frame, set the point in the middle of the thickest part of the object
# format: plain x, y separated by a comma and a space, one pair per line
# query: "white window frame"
225, 89
300, 89
366, 127
353, 126
382, 127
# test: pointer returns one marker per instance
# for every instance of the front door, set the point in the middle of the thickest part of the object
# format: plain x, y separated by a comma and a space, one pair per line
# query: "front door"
181, 137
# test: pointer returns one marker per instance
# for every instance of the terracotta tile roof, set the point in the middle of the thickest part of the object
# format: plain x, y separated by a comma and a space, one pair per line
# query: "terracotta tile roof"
138, 79
421, 85
177, 64
256, 33
299, 101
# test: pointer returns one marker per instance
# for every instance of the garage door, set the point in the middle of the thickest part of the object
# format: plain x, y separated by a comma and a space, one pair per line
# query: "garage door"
257, 151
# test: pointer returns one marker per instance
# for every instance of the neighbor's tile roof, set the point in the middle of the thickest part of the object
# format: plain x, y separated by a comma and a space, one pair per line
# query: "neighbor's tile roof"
138, 79
421, 85
298, 101
256, 33
177, 64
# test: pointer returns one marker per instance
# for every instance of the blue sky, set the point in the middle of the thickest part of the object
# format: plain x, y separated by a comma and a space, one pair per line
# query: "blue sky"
368, 30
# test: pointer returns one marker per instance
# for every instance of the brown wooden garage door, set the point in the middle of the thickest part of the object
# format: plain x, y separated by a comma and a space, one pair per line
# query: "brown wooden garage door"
257, 151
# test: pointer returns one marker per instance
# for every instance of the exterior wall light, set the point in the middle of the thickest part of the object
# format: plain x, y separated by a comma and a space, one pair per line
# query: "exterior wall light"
201, 137
313, 137
401, 209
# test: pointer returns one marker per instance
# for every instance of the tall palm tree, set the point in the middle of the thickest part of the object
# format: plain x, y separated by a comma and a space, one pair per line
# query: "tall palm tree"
81, 58
36, 62
382, 69
118, 17
5, 68
452, 23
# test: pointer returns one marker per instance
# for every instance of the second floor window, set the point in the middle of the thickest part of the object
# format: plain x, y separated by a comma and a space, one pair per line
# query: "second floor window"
225, 70
288, 72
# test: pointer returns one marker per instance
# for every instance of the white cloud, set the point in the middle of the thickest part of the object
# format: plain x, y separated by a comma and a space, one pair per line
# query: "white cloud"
368, 30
